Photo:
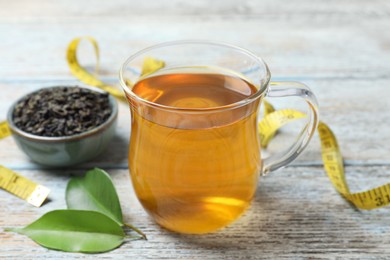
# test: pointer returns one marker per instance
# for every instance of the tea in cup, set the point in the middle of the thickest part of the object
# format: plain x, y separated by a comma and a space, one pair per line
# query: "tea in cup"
194, 154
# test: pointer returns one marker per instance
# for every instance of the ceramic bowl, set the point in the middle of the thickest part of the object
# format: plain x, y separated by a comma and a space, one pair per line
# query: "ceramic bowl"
67, 150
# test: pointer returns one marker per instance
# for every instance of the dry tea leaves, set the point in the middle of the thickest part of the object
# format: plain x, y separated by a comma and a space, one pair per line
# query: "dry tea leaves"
61, 111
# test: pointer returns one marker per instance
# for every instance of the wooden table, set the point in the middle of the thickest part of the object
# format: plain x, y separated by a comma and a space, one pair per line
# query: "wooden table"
339, 48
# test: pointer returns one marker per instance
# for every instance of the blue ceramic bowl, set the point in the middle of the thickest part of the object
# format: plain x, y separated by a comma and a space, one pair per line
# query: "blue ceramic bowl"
67, 150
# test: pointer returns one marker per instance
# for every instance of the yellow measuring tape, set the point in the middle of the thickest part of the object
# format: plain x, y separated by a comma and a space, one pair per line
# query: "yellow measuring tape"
25, 189
22, 187
4, 130
333, 163
83, 74
268, 127
18, 185
273, 121
268, 109
150, 65
332, 159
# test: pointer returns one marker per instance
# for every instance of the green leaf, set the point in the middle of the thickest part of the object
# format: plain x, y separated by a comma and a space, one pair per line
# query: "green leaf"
94, 192
75, 231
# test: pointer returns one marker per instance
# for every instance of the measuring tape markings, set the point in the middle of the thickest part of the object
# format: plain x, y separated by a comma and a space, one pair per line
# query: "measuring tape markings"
332, 159
370, 199
274, 121
268, 126
85, 76
18, 185
149, 66
22, 187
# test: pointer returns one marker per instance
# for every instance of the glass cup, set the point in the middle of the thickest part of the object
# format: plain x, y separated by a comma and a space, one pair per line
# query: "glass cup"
194, 154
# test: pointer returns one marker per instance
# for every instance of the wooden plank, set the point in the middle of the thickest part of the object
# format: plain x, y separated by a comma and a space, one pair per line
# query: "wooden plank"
356, 110
278, 8
296, 214
317, 39
339, 48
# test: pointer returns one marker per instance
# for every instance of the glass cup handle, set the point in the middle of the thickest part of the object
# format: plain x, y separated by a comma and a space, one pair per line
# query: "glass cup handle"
292, 89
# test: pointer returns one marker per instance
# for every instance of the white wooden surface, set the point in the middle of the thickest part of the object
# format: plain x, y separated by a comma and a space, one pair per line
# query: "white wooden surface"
339, 48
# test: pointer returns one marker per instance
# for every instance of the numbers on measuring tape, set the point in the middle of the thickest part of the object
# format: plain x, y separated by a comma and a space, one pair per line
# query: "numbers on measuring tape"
268, 127
22, 187
332, 159
274, 121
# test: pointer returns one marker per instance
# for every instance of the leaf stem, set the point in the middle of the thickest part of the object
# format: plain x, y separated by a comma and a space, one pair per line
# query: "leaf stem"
136, 230
133, 238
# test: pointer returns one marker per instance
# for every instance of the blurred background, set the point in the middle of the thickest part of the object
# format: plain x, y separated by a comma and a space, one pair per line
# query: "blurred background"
341, 49
297, 38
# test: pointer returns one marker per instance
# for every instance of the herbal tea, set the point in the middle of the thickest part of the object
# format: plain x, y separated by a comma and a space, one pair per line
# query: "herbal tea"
194, 172
194, 154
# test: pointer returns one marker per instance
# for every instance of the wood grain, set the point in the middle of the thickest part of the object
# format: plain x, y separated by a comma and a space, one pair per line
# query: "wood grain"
277, 8
356, 110
304, 39
296, 212
341, 49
